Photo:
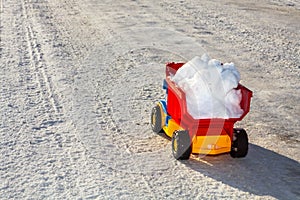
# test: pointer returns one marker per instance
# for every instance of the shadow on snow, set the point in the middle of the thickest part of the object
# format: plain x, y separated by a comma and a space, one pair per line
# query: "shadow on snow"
262, 172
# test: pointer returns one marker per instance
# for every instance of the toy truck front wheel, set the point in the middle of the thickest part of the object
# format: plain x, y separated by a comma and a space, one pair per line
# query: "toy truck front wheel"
181, 145
156, 119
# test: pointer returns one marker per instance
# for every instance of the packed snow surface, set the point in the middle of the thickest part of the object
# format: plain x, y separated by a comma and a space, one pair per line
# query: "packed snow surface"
79, 78
210, 88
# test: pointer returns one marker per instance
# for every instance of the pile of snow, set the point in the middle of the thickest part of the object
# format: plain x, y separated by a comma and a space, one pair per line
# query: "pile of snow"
210, 86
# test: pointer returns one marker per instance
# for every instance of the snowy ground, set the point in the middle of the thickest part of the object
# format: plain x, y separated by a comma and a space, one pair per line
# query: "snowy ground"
79, 78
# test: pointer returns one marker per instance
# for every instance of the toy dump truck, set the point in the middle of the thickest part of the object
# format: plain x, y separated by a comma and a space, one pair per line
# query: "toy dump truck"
197, 136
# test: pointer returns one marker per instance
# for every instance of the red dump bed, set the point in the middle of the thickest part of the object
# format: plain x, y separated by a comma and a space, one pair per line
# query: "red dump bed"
177, 108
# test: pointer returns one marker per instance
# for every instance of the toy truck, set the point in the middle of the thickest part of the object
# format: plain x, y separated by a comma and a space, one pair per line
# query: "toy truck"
197, 136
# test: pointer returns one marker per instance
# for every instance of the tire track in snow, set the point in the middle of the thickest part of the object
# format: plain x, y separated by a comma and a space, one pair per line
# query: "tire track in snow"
37, 63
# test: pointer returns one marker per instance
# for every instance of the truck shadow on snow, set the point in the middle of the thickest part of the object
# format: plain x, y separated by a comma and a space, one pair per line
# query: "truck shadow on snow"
262, 172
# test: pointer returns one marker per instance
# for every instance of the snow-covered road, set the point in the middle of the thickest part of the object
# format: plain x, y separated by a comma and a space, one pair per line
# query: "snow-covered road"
79, 78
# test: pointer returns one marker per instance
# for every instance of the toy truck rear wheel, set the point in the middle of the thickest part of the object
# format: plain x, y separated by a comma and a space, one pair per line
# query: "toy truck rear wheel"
239, 147
181, 145
156, 119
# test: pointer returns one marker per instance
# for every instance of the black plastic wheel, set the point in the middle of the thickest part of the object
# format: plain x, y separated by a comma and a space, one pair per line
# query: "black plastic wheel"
156, 119
181, 145
239, 147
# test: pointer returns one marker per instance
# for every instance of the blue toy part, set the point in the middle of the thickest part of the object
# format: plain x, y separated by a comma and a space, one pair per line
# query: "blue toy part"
163, 104
165, 85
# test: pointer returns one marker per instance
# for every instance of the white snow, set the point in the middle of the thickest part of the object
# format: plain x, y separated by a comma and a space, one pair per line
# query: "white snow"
210, 88
78, 80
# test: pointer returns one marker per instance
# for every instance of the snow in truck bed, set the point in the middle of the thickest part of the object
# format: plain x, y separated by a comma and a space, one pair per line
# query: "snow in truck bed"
210, 88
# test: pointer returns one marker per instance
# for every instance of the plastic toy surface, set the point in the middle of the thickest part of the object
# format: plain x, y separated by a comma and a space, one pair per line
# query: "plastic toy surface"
197, 136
